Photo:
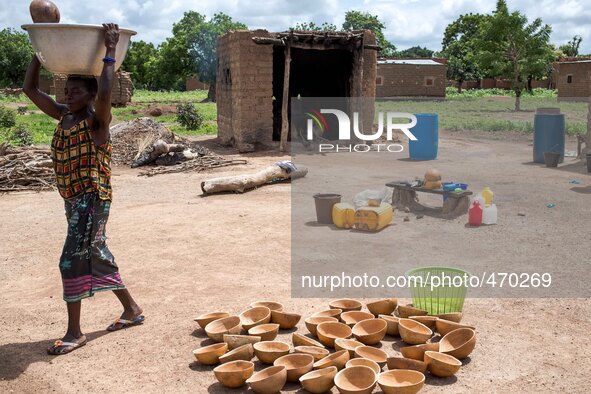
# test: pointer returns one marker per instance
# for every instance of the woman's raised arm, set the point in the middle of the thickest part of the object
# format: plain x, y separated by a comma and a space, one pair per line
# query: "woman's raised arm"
39, 98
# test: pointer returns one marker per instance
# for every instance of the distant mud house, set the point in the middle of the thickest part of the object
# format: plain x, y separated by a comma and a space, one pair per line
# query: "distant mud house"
254, 86
410, 78
573, 80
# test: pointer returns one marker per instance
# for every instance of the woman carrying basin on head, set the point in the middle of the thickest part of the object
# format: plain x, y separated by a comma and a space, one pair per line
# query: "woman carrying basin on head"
81, 154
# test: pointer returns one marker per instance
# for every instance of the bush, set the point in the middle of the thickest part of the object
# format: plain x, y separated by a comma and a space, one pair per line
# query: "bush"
7, 117
20, 135
188, 116
452, 91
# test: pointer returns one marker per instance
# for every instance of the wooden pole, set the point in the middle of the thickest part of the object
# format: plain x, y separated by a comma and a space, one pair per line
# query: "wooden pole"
285, 103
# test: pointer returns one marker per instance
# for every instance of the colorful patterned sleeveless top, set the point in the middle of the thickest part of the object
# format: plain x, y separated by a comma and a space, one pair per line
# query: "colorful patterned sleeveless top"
80, 166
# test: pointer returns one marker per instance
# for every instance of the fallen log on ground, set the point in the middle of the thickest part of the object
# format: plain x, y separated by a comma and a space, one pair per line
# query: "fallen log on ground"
158, 149
277, 172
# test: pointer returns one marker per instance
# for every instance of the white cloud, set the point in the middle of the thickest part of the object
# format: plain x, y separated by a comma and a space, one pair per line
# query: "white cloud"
408, 22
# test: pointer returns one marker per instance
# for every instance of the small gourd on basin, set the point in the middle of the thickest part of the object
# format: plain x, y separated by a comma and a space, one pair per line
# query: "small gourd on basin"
44, 11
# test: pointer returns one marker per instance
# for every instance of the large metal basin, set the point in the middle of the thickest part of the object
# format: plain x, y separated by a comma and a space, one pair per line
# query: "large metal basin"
74, 49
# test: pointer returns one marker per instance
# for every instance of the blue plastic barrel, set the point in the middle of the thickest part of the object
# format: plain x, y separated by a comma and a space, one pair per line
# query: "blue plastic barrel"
427, 133
548, 135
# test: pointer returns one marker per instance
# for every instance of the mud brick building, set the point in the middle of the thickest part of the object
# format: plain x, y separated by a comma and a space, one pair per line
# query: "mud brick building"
194, 83
410, 78
573, 80
122, 88
254, 86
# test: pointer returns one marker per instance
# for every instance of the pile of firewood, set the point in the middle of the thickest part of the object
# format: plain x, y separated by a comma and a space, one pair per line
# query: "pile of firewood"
25, 168
143, 141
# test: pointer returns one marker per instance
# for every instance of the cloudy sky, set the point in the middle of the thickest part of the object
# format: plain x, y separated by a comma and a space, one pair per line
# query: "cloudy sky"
408, 22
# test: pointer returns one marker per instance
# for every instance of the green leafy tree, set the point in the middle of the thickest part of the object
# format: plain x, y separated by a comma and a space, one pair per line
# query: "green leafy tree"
202, 43
416, 52
512, 48
15, 55
140, 62
460, 48
571, 49
311, 26
356, 20
173, 65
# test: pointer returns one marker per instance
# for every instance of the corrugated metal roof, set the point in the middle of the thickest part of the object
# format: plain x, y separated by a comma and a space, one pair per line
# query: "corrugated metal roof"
417, 62
573, 62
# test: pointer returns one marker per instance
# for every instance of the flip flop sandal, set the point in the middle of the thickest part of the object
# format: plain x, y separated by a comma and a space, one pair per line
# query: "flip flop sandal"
120, 323
61, 344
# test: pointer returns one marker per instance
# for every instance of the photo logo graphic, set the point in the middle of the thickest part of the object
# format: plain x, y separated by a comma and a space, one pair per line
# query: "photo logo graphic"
319, 120
344, 122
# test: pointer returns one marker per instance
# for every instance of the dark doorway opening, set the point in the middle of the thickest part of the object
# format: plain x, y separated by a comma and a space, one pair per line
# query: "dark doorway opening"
313, 73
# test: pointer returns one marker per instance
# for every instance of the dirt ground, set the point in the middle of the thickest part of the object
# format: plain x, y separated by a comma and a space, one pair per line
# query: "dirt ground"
182, 255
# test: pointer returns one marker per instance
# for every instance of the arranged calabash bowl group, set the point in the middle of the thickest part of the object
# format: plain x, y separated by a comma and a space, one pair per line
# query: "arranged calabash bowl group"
355, 366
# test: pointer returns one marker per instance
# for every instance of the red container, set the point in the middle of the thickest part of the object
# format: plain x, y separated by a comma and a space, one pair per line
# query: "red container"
475, 214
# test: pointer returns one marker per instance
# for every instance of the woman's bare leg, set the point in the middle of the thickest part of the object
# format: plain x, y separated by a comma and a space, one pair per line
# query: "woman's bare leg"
131, 309
74, 333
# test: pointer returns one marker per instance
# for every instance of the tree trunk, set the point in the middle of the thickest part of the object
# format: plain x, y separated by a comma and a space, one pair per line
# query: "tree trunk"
516, 84
285, 100
460, 85
244, 182
211, 92
529, 80
517, 100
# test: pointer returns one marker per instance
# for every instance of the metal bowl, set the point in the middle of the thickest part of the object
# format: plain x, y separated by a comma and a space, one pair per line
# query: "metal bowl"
74, 49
